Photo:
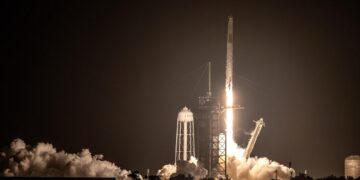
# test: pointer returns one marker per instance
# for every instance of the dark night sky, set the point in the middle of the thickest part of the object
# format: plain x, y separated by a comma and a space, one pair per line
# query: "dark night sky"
112, 75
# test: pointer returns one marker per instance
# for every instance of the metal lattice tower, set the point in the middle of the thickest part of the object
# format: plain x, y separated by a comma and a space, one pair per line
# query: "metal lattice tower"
185, 144
208, 128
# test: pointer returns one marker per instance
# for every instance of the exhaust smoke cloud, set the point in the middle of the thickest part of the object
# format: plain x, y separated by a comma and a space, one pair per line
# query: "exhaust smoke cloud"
257, 169
240, 166
188, 168
44, 160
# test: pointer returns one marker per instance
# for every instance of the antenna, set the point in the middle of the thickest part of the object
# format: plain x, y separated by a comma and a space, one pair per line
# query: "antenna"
209, 89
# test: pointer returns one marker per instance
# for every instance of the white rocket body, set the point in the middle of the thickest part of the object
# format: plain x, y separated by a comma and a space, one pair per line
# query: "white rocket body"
229, 56
230, 143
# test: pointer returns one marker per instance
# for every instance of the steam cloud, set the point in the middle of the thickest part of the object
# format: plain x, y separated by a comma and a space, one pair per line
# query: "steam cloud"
188, 168
166, 171
239, 168
242, 166
45, 160
257, 169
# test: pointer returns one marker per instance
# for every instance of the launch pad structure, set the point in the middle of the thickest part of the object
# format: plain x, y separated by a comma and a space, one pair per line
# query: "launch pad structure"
210, 128
210, 149
211, 140
213, 127
210, 134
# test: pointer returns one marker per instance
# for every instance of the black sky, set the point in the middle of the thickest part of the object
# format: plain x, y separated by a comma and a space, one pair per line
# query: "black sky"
112, 75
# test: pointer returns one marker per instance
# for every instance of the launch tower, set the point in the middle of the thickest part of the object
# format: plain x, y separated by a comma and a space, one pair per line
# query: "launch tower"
211, 138
208, 128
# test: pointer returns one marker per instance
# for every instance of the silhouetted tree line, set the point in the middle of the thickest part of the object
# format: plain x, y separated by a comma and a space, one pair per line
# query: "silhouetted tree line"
302, 176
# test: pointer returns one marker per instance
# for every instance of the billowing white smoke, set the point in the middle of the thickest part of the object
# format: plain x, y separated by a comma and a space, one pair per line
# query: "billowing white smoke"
188, 168
257, 169
253, 168
166, 171
45, 160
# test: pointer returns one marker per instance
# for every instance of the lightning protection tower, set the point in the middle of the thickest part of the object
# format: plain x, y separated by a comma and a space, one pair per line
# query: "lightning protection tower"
208, 128
185, 144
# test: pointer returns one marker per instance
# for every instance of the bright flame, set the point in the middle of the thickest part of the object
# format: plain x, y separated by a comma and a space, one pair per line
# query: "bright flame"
232, 149
229, 122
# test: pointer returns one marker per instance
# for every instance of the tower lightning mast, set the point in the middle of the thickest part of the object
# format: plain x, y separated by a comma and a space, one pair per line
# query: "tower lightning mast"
209, 82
